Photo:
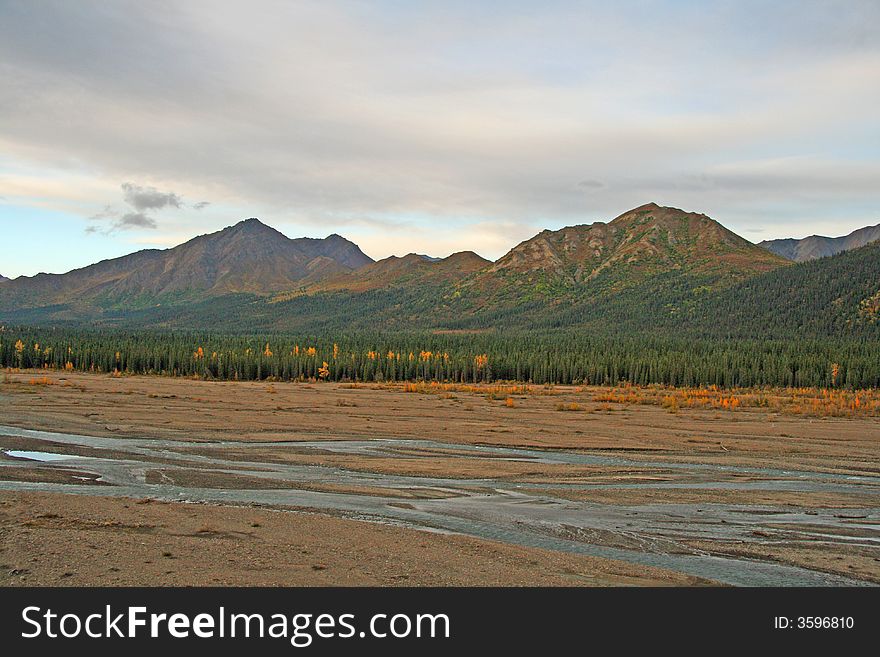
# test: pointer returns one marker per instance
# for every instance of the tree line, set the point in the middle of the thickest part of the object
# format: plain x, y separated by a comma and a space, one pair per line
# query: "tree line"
560, 357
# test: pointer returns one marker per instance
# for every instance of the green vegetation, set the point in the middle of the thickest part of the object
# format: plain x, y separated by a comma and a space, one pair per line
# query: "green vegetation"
824, 297
833, 297
561, 357
657, 296
787, 327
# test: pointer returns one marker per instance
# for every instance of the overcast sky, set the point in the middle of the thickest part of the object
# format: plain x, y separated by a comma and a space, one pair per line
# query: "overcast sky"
428, 127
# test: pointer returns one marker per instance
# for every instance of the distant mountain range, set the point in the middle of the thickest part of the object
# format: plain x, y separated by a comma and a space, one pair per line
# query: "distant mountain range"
650, 269
248, 257
3, 278
817, 246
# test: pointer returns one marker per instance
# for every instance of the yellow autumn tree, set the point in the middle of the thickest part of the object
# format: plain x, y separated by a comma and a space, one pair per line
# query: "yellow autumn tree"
19, 353
324, 371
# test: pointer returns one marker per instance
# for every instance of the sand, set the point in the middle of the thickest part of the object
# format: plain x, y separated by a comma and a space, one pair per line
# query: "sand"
52, 538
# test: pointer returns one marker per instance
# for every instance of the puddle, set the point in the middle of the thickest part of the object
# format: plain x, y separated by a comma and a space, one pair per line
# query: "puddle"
39, 456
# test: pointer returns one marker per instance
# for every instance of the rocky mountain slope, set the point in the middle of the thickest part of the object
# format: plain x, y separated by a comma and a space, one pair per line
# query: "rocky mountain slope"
249, 257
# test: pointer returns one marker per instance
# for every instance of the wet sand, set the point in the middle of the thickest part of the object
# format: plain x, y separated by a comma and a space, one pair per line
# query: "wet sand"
195, 410
64, 540
630, 483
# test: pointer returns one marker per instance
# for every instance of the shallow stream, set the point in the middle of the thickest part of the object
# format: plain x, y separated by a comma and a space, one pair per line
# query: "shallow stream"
509, 511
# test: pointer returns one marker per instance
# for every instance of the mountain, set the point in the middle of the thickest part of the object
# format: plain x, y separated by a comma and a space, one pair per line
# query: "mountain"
3, 278
248, 257
823, 299
337, 248
412, 269
817, 246
830, 296
653, 271
648, 260
645, 241
649, 263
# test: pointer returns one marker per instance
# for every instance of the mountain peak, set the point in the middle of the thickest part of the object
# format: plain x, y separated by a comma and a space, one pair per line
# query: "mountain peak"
646, 240
464, 261
247, 257
247, 228
250, 224
657, 213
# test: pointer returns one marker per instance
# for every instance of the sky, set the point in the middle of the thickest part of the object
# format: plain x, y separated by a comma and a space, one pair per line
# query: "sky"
428, 127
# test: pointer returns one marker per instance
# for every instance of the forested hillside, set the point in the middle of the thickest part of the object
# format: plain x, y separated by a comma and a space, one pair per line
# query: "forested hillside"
654, 270
832, 296
812, 324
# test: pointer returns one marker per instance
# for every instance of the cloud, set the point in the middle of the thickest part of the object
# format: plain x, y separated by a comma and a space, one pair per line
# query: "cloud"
201, 205
107, 213
148, 198
114, 222
135, 220
570, 113
139, 198
590, 185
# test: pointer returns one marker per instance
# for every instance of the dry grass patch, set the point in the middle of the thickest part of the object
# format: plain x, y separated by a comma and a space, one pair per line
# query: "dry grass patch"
812, 402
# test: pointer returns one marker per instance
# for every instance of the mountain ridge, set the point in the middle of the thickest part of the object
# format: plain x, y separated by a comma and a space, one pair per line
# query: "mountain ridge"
647, 268
246, 257
411, 269
819, 246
